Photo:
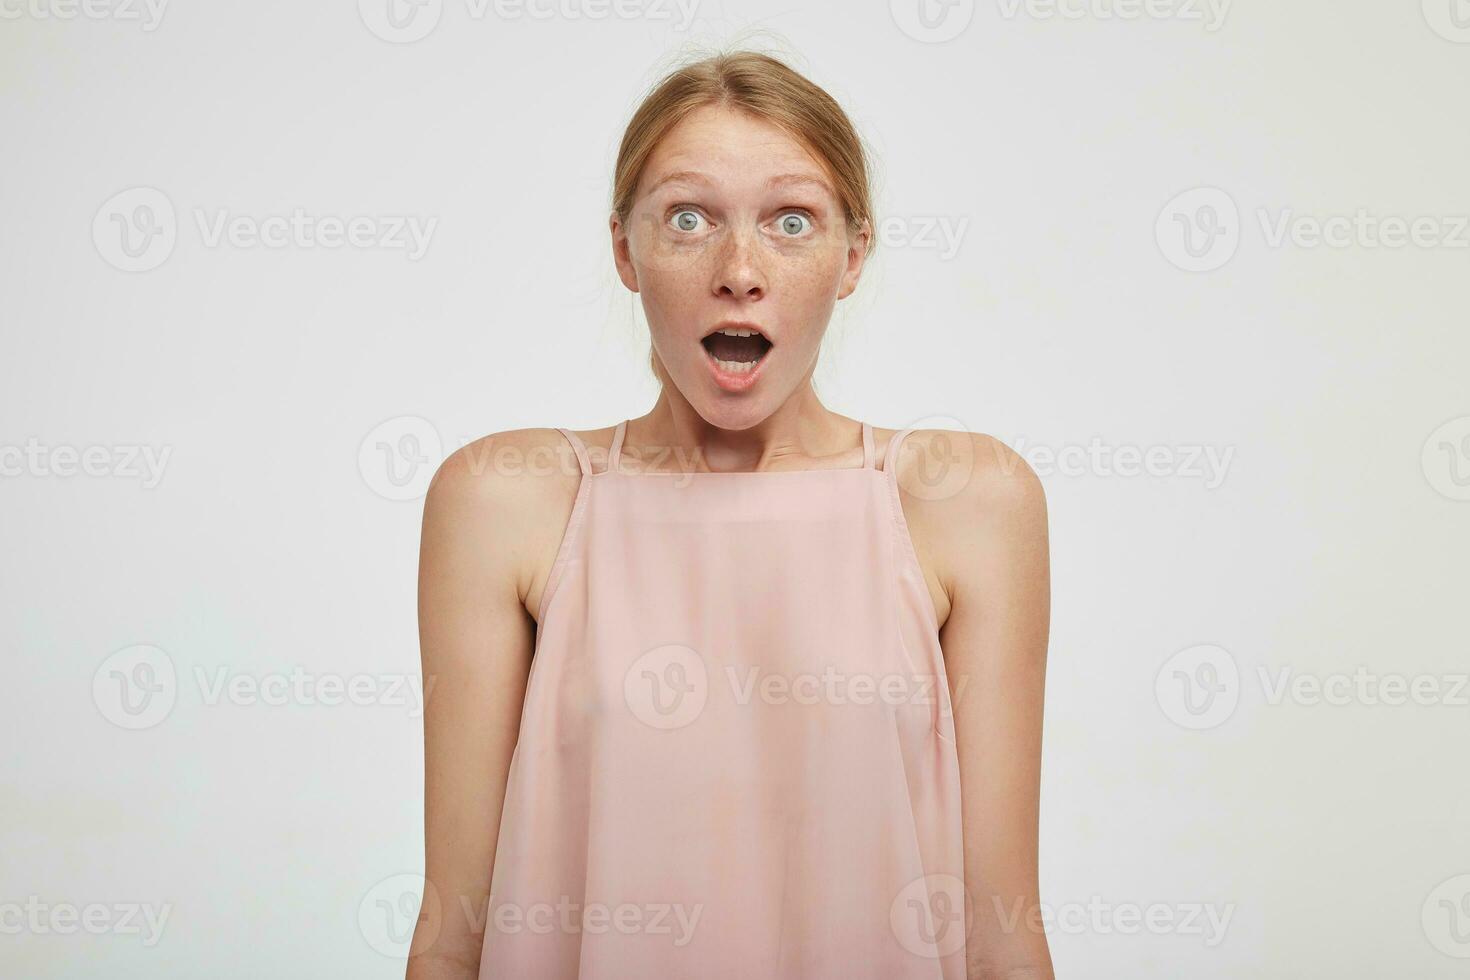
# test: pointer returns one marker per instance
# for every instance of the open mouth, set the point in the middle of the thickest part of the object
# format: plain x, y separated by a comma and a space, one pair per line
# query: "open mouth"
736, 350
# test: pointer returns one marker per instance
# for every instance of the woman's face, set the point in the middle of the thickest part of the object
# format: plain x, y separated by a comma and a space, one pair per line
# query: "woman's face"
735, 225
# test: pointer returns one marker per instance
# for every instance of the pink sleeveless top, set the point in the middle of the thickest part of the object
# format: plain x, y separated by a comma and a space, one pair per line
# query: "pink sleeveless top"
736, 755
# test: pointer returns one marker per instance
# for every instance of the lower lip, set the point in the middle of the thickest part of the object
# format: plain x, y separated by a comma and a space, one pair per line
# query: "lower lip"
730, 381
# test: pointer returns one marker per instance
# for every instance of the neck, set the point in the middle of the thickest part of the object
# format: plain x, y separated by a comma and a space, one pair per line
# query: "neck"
799, 434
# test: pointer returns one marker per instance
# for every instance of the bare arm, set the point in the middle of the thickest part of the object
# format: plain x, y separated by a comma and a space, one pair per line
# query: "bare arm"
476, 641
993, 564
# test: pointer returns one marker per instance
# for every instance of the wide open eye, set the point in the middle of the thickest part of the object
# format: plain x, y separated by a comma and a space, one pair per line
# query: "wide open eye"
686, 219
794, 223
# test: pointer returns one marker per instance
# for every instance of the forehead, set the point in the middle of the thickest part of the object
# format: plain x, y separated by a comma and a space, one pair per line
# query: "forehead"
724, 147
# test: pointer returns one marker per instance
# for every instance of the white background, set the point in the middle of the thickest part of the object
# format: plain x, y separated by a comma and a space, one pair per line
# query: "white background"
1331, 538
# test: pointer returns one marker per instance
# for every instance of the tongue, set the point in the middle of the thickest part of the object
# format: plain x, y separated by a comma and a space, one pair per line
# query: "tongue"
728, 348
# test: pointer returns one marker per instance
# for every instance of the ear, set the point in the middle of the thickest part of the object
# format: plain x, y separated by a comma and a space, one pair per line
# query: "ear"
622, 252
857, 255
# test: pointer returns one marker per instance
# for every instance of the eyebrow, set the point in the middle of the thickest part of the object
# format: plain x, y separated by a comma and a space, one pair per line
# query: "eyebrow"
780, 180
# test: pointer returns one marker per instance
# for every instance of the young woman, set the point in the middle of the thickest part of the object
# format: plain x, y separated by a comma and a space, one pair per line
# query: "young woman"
740, 687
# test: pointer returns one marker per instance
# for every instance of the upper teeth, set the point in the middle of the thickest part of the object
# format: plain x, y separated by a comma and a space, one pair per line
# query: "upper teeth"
734, 332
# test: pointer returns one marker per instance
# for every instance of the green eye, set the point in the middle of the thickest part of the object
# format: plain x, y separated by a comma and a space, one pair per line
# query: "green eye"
794, 222
686, 220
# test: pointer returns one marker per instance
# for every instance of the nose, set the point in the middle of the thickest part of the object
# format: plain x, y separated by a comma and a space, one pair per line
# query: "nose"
739, 274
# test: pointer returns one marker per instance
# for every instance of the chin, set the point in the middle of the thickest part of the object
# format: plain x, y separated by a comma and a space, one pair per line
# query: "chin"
732, 412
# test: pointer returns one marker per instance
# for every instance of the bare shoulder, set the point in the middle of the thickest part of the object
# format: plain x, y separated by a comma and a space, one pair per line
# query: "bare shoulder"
961, 473
969, 500
500, 503
506, 470
959, 470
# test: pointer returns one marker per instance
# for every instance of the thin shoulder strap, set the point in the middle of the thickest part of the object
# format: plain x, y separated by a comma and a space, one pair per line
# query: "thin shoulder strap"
615, 451
868, 458
890, 456
579, 448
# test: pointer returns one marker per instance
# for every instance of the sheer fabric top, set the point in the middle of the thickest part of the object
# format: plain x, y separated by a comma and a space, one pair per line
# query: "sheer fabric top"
736, 755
